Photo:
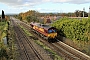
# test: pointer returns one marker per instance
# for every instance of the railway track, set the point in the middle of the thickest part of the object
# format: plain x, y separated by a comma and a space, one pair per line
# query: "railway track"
76, 54
67, 52
27, 51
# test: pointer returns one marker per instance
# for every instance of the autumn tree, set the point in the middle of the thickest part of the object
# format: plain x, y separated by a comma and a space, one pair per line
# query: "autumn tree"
29, 16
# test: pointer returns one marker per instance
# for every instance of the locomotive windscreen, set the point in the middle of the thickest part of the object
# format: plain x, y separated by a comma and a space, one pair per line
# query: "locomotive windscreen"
51, 30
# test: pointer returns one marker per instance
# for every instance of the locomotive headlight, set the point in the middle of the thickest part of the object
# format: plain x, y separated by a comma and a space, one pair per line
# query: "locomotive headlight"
55, 34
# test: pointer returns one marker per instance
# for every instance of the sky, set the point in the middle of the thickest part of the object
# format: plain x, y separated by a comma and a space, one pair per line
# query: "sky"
43, 6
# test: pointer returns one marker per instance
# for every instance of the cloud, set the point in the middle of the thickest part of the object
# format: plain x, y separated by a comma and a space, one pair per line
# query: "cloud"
80, 1
20, 3
61, 1
12, 2
24, 5
72, 1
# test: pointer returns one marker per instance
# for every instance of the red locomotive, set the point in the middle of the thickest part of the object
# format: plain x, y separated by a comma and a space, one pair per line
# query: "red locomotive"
44, 31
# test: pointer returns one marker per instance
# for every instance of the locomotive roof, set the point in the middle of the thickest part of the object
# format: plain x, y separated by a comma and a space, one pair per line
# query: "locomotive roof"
45, 26
42, 25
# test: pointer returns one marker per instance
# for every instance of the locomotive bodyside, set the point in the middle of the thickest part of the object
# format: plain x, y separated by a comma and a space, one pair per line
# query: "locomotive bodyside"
44, 30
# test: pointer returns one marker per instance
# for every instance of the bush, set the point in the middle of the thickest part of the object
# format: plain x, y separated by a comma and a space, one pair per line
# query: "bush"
75, 29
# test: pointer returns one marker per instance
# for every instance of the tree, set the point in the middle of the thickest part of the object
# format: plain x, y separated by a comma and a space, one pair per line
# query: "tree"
28, 18
32, 18
3, 15
35, 19
20, 17
77, 13
80, 13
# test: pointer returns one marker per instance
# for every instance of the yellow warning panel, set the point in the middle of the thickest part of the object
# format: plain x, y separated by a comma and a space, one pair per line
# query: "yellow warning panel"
41, 29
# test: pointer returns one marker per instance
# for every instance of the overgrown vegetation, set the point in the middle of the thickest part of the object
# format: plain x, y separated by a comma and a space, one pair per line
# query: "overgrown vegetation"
3, 34
3, 29
7, 43
78, 30
75, 29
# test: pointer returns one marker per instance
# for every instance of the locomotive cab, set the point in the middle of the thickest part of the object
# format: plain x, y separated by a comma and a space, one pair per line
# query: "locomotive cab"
52, 32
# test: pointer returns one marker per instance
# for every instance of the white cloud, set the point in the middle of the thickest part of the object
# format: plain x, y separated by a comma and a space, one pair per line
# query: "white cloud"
13, 3
72, 1
20, 3
79, 1
61, 1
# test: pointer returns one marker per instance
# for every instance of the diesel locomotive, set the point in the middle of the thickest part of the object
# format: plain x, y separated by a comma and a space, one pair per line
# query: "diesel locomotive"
45, 31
